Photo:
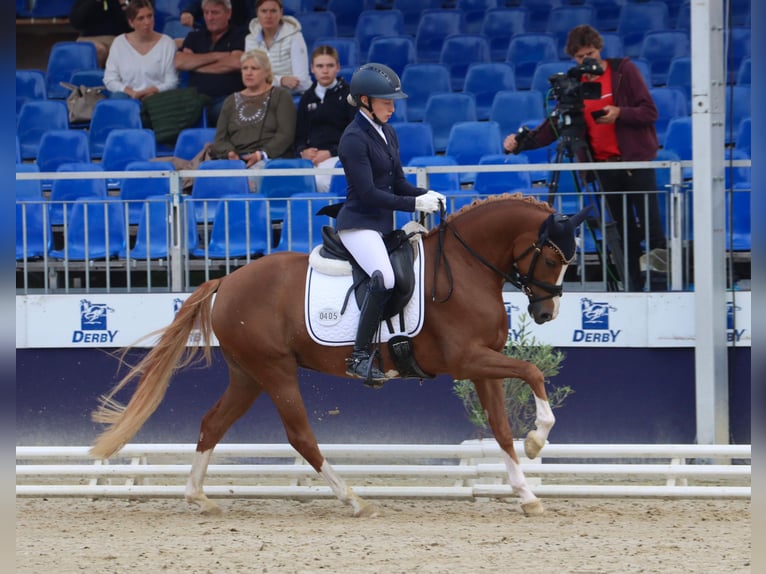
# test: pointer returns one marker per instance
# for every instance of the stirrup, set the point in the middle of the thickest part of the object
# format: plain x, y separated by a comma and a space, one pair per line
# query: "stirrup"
362, 365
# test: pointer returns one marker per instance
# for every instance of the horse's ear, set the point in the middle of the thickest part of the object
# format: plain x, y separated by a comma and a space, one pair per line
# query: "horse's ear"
580, 216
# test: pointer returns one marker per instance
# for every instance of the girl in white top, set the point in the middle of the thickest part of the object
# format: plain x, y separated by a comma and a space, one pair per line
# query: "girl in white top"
141, 62
281, 38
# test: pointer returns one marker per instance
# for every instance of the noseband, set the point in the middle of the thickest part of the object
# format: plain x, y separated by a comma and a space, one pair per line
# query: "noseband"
524, 282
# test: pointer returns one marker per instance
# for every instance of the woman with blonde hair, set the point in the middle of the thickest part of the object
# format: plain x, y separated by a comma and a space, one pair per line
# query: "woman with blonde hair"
257, 123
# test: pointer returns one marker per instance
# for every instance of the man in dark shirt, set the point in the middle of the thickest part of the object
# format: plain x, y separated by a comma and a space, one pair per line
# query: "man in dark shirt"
211, 56
99, 22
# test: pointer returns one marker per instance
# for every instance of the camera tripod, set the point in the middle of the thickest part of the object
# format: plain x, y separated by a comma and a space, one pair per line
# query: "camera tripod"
571, 146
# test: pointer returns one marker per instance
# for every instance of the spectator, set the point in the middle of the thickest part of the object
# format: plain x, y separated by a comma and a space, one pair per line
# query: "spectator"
191, 15
281, 38
323, 114
625, 132
256, 123
141, 62
99, 22
211, 56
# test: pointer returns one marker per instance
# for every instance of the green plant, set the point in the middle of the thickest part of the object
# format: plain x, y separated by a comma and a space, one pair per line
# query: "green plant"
519, 399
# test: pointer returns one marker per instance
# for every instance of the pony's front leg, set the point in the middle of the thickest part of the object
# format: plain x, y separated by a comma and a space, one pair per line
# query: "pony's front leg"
492, 397
345, 494
194, 493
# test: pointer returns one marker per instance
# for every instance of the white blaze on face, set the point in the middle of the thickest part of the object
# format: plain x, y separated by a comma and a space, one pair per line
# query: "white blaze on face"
557, 300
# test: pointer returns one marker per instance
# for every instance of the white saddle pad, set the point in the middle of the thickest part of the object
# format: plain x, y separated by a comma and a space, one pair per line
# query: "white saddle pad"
325, 294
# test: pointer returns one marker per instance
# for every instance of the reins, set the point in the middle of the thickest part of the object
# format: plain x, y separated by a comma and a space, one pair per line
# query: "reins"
522, 282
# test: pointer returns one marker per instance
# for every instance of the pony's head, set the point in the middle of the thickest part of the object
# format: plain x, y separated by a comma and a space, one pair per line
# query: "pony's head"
540, 267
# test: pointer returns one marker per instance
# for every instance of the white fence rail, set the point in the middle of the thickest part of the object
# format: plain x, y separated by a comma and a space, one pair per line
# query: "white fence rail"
469, 470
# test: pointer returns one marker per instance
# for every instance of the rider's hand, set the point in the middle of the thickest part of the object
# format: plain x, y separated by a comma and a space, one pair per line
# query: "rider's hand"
427, 203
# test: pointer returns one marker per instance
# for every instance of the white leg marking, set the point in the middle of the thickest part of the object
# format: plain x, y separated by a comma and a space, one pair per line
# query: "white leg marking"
517, 479
545, 419
194, 485
345, 494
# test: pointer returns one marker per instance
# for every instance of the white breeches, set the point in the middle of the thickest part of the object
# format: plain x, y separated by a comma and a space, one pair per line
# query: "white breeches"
366, 245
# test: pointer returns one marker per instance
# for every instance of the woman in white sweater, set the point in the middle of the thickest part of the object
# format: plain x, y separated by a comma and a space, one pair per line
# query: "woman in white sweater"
141, 62
281, 38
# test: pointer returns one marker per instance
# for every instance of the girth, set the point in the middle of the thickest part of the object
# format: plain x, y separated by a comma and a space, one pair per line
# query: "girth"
401, 255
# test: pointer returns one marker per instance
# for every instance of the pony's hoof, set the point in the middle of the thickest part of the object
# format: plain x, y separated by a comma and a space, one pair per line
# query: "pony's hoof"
533, 444
206, 506
367, 511
533, 508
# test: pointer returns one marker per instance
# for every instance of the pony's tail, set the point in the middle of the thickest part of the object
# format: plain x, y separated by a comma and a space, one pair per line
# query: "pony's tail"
154, 372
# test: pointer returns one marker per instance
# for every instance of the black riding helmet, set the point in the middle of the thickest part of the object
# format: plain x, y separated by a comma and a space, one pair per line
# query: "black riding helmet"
375, 81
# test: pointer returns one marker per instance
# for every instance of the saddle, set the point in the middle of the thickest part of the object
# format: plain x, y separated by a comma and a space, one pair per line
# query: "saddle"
400, 254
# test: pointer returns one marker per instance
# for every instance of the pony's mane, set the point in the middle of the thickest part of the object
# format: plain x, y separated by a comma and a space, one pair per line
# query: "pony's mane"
519, 197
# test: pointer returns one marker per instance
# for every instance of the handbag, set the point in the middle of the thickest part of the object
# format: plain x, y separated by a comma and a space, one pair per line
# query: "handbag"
81, 101
169, 112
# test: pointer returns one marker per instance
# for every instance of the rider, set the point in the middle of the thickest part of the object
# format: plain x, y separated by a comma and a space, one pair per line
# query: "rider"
369, 152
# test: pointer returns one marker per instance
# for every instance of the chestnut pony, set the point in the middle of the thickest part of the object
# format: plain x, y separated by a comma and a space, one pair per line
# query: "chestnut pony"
259, 323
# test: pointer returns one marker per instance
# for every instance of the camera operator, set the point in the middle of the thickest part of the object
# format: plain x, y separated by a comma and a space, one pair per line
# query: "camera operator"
622, 129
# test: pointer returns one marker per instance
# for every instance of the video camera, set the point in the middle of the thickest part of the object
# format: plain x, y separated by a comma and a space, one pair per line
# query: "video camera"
569, 90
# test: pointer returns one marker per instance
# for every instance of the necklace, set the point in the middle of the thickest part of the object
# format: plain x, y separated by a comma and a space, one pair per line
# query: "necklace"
251, 109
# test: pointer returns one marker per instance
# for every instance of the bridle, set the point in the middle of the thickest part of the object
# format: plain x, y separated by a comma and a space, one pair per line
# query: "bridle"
524, 282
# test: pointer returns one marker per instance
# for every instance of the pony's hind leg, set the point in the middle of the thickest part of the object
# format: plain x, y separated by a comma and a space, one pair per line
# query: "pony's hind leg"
492, 397
292, 411
236, 400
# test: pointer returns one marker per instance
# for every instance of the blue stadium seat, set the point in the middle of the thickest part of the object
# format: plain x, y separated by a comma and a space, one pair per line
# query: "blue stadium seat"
317, 25
469, 141
499, 26
460, 51
544, 70
563, 18
108, 115
742, 141
678, 137
95, 230
659, 47
347, 14
65, 191
415, 139
153, 234
165, 10
33, 230
546, 154
411, 11
671, 103
680, 75
375, 23
683, 17
613, 47
485, 80
191, 141
18, 149
396, 52
35, 118
510, 109
30, 85
23, 9
207, 191
133, 191
302, 228
175, 29
419, 82
433, 28
50, 8
539, 13
473, 13
338, 183
743, 72
737, 109
400, 111
241, 228
739, 49
28, 188
496, 182
607, 14
64, 59
286, 185
61, 146
445, 109
347, 48
740, 12
525, 51
90, 78
739, 239
637, 18
123, 146
441, 182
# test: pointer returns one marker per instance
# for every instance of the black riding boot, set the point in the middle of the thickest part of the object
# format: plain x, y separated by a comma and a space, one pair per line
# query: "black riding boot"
361, 362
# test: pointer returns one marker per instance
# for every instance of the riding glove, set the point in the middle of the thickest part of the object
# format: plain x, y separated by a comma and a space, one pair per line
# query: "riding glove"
427, 203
